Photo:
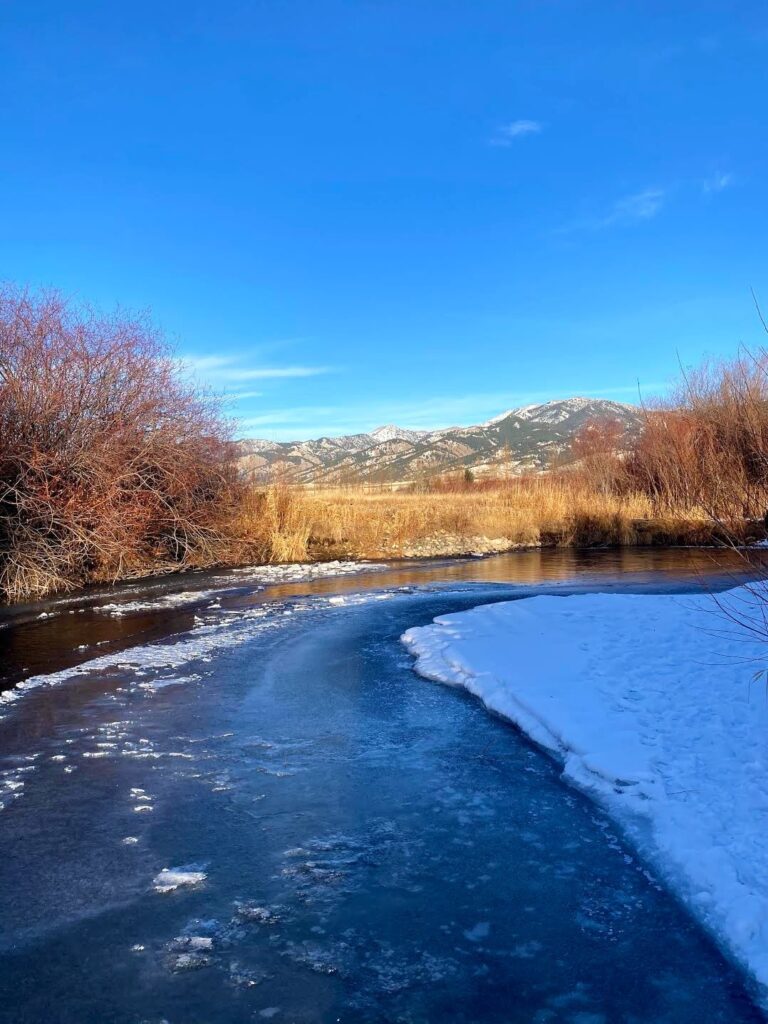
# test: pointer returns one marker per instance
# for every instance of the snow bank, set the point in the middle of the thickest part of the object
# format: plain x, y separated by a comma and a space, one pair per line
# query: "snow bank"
650, 703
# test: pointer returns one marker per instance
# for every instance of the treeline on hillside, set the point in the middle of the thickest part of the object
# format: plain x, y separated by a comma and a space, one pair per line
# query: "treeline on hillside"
704, 450
111, 464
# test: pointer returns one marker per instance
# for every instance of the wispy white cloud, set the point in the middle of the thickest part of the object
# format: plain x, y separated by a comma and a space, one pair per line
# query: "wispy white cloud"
203, 364
716, 183
268, 372
506, 134
224, 370
303, 422
239, 396
631, 209
648, 203
640, 206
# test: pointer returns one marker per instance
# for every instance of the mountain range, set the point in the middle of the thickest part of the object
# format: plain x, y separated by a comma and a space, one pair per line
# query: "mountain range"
527, 439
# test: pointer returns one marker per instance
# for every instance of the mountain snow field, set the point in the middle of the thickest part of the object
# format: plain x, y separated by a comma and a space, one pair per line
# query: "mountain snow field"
651, 705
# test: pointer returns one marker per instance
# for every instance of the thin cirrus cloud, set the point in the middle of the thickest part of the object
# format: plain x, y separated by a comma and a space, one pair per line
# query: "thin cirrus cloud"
225, 370
646, 204
631, 209
640, 206
239, 396
434, 413
716, 183
271, 373
506, 134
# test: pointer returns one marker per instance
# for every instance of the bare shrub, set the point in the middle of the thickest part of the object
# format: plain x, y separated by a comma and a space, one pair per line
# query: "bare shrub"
110, 463
706, 449
598, 449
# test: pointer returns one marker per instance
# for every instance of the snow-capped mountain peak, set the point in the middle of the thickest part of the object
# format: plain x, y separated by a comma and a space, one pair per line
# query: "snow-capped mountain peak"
559, 410
390, 432
525, 439
501, 416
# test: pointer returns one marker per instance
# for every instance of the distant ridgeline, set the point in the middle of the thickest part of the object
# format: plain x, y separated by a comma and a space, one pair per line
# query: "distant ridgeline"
529, 439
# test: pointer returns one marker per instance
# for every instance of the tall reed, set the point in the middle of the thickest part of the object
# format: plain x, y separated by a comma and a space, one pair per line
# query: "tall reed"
366, 522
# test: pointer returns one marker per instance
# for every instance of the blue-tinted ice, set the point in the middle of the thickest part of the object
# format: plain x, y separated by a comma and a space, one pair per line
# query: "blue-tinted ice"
302, 830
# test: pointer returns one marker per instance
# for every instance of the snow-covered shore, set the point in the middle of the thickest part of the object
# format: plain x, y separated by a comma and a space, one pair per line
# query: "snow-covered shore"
650, 703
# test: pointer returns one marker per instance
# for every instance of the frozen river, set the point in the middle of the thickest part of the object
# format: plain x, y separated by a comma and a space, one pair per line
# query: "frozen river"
251, 809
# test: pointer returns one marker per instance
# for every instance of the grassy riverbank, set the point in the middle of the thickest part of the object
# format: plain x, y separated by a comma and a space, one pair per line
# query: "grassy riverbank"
291, 524
115, 464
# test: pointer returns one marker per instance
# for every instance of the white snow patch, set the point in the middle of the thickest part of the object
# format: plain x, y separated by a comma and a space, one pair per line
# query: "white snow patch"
260, 575
156, 685
193, 942
302, 572
119, 608
190, 961
649, 703
389, 432
173, 878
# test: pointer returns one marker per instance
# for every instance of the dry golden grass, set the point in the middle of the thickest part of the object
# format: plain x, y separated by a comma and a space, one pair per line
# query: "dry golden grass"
291, 524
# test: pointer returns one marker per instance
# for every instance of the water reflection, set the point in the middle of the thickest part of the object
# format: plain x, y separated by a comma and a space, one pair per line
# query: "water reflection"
55, 634
548, 565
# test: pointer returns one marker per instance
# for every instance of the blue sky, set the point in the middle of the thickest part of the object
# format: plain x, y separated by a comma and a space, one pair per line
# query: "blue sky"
349, 213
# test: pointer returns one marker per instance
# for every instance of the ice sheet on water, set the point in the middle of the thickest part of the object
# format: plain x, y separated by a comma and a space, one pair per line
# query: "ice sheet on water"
478, 932
246, 977
646, 701
12, 781
184, 943
246, 910
207, 942
193, 961
317, 958
163, 682
200, 644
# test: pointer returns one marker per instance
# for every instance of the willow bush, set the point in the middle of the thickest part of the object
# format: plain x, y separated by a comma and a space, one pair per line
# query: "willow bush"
111, 462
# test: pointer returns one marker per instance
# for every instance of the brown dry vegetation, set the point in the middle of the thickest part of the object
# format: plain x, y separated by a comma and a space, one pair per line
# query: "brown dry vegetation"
707, 446
549, 510
695, 473
112, 465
